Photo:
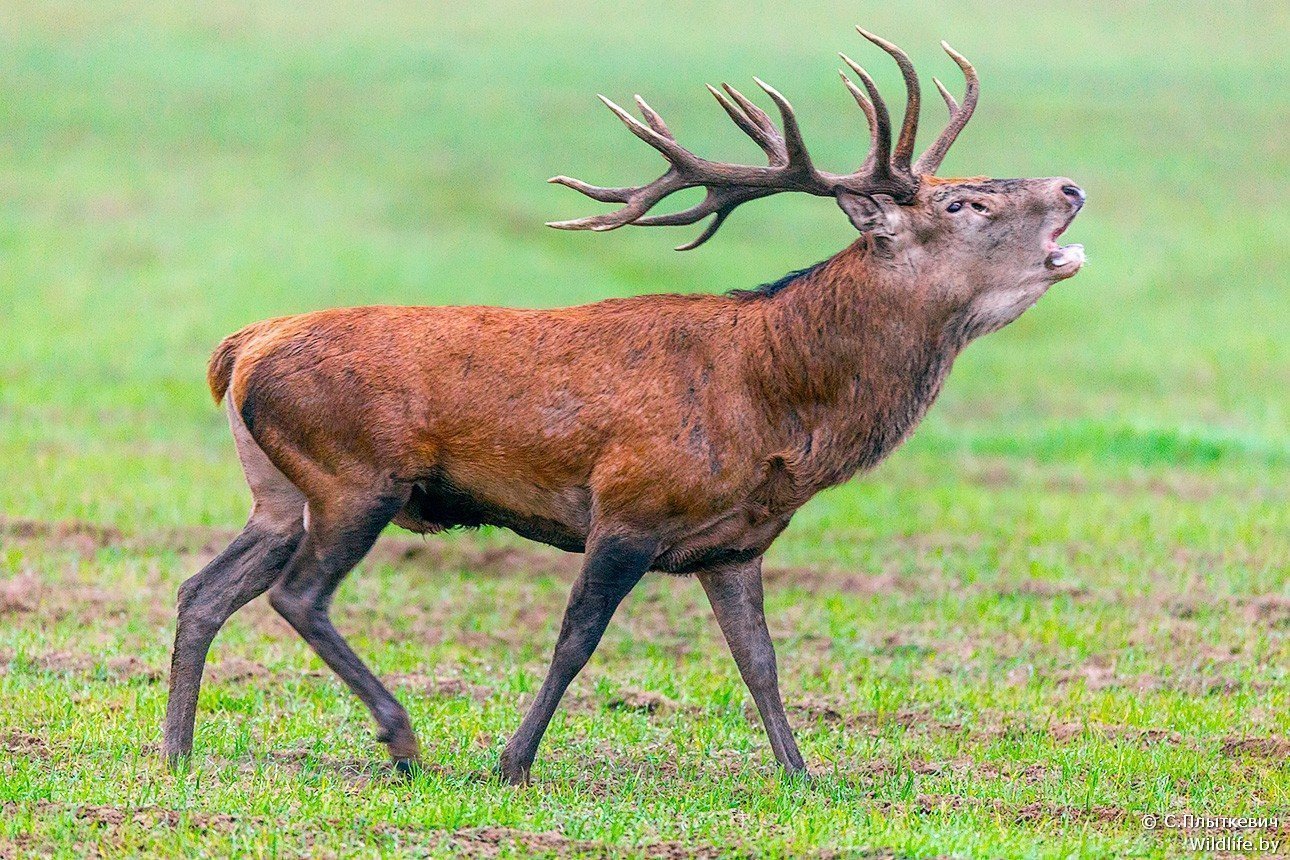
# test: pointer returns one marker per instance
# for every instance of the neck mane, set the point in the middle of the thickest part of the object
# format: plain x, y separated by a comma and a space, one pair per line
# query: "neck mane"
851, 357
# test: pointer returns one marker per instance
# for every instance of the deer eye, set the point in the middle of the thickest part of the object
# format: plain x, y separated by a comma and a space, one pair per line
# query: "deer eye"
978, 207
955, 206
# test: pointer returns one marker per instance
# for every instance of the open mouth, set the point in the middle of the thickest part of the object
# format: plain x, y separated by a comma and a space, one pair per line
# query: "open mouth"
1064, 257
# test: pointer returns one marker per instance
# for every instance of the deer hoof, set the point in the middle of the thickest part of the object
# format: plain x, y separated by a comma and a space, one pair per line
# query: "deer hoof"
408, 768
178, 762
798, 776
510, 772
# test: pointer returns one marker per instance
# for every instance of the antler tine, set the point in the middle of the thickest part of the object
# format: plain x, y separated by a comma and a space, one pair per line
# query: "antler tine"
909, 127
756, 114
655, 121
945, 94
716, 200
931, 159
867, 108
769, 142
795, 147
697, 212
713, 226
639, 200
715, 203
595, 192
881, 147
672, 150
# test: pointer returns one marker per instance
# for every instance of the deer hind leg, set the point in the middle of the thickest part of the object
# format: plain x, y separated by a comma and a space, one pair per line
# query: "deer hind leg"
239, 574
341, 530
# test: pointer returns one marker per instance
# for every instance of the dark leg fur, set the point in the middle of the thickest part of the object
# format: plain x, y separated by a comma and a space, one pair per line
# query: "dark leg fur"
303, 596
612, 568
736, 597
242, 572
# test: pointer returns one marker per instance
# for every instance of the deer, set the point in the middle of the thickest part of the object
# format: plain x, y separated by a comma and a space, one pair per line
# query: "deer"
676, 433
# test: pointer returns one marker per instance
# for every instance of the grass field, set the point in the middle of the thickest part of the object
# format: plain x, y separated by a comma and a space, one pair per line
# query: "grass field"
1062, 607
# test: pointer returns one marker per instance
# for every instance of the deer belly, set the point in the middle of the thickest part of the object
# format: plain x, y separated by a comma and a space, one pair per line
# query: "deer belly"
438, 503
734, 539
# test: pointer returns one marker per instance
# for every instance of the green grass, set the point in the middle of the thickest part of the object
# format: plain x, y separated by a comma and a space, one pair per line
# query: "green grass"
1063, 606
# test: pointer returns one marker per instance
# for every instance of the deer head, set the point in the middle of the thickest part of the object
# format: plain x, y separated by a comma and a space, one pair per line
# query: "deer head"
987, 247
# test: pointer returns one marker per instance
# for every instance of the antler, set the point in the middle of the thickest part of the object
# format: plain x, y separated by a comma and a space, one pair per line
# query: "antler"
884, 171
931, 159
728, 185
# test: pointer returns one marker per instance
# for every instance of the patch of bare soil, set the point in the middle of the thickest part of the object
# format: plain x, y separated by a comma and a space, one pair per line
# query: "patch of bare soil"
490, 841
439, 687
1034, 813
466, 842
1277, 749
24, 744
460, 555
73, 534
1180, 486
984, 728
21, 846
155, 816
1044, 588
25, 593
485, 557
1270, 609
581, 700
230, 670
66, 662
357, 772
814, 709
1043, 812
604, 773
1014, 772
1068, 731
19, 594
1030, 813
88, 538
143, 816
234, 670
1103, 675
493, 841
817, 579
642, 701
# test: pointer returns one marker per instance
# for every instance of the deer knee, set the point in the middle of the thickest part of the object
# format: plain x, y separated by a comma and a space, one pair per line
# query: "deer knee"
299, 609
287, 604
196, 605
189, 593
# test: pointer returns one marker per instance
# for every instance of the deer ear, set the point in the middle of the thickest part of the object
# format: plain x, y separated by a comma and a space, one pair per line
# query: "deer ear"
877, 215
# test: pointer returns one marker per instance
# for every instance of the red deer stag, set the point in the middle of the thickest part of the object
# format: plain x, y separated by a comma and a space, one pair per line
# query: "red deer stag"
675, 433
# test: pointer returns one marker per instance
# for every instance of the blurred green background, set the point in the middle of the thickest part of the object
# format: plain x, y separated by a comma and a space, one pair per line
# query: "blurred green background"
170, 172
1063, 604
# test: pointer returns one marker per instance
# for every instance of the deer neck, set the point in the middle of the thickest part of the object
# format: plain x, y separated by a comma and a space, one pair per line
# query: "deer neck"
853, 356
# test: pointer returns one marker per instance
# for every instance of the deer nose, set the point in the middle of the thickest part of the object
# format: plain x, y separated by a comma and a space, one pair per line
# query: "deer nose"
1075, 194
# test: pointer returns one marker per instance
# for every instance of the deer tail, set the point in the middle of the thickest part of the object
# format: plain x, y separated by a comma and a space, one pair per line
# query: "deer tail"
220, 369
